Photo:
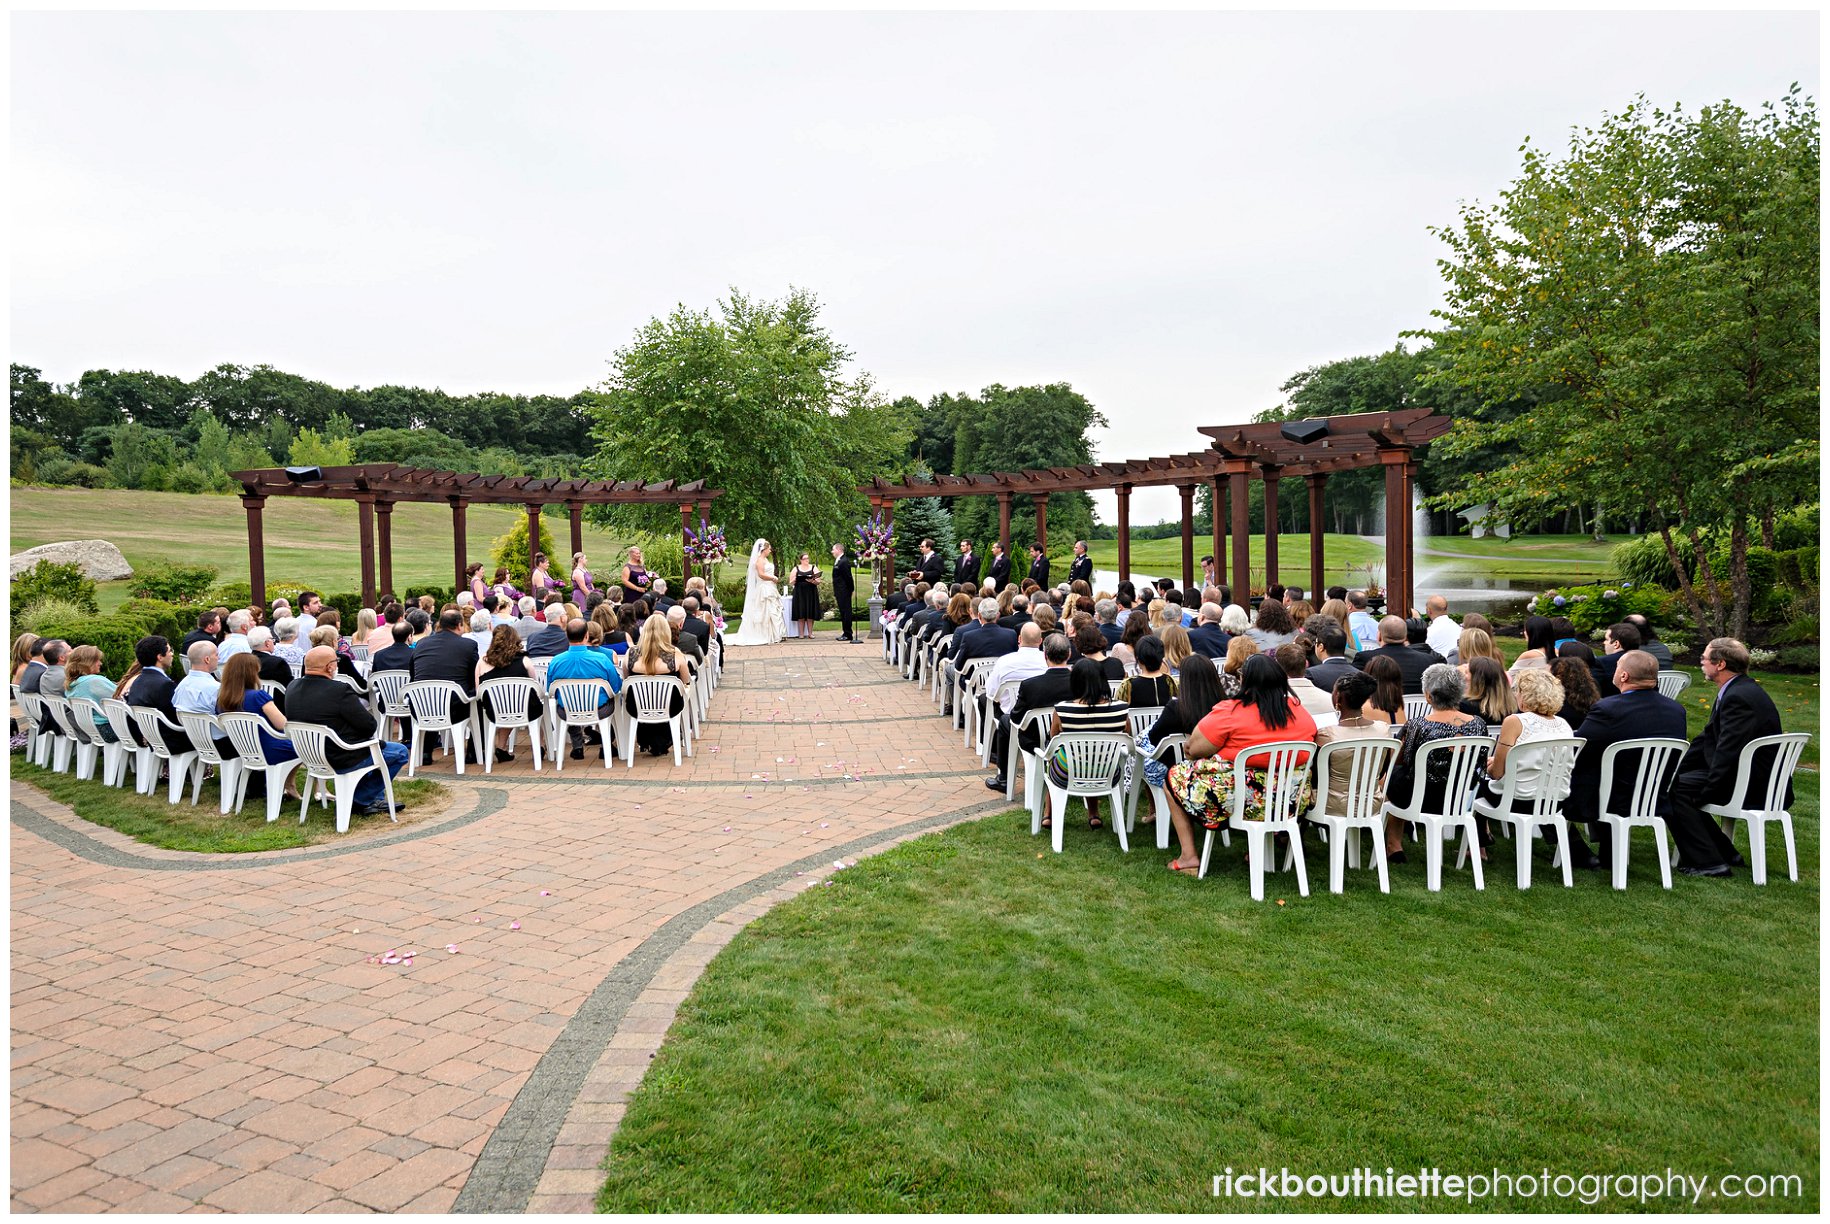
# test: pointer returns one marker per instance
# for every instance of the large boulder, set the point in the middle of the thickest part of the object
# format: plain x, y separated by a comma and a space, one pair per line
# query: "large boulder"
100, 560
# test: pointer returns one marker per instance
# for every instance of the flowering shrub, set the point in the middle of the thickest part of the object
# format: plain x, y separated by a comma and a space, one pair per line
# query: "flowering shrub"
1597, 606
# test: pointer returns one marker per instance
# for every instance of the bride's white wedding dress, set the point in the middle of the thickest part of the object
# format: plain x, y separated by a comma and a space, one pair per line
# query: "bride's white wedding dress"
762, 603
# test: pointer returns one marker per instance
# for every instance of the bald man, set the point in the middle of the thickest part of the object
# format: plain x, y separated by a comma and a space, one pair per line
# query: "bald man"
317, 696
1393, 634
1638, 711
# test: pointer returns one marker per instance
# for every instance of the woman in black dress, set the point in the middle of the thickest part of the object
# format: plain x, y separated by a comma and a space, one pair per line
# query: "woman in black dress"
806, 606
505, 658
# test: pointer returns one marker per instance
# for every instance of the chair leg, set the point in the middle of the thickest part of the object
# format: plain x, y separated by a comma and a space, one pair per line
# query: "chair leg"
1302, 868
533, 741
678, 726
458, 739
1522, 845
1756, 847
1563, 853
1160, 801
413, 746
1664, 855
1058, 804
1207, 846
1785, 827
1257, 846
1474, 859
345, 788
1337, 858
180, 771
1377, 836
487, 750
1118, 820
1432, 852
1619, 835
227, 777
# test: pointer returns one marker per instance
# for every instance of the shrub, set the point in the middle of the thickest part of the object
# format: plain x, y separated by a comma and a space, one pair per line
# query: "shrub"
51, 580
170, 583
240, 594
115, 635
1798, 567
1598, 606
60, 469
441, 595
47, 612
511, 550
1797, 527
167, 619
347, 605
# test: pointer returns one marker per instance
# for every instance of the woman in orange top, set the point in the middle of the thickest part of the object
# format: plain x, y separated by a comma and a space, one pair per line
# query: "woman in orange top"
1201, 787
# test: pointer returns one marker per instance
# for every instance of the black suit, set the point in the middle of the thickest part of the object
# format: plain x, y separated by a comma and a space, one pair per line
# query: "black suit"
551, 640
999, 572
334, 704
1411, 663
983, 642
276, 669
34, 673
1603, 671
700, 630
1111, 631
153, 689
931, 567
1040, 692
447, 656
1210, 640
1327, 673
1706, 774
1015, 621
1081, 570
1038, 572
844, 591
1636, 714
398, 657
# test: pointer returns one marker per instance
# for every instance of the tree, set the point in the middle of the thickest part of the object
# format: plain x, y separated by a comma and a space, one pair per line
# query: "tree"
918, 519
311, 449
1661, 281
1010, 428
753, 399
511, 550
136, 453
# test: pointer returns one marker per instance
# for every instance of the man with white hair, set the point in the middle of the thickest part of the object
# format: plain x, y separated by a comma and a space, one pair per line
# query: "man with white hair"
1444, 633
662, 603
683, 641
1207, 636
1105, 615
527, 624
260, 645
236, 642
481, 630
982, 638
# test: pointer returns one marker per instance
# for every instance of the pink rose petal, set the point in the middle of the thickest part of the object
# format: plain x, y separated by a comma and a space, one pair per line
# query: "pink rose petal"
545, 893
514, 926
451, 947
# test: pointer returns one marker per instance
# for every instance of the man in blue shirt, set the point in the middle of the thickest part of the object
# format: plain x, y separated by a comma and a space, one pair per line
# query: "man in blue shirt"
579, 662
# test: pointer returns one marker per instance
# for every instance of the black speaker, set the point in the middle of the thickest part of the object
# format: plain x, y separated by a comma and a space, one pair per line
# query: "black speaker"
1302, 432
304, 475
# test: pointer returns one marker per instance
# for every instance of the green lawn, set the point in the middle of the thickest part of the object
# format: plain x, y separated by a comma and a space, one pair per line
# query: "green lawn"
306, 538
201, 829
1343, 554
1572, 557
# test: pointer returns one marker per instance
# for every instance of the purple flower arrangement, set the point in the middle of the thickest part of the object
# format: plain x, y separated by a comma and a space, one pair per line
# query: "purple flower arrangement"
876, 540
706, 547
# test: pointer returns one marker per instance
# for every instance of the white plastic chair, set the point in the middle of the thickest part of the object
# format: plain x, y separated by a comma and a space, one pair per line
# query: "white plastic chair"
580, 703
1366, 763
1466, 753
33, 710
201, 728
56, 737
1169, 752
966, 695
314, 741
1671, 683
1030, 759
430, 703
152, 726
653, 698
1786, 751
244, 731
1416, 706
80, 732
1658, 757
385, 693
1139, 719
1095, 766
116, 757
933, 673
1286, 764
989, 720
509, 702
359, 652
273, 688
1539, 773
95, 745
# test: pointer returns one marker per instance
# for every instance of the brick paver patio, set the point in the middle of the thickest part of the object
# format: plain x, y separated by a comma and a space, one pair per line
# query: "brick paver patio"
198, 1034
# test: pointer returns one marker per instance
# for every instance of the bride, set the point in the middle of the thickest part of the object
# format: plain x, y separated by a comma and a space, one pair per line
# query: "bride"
762, 601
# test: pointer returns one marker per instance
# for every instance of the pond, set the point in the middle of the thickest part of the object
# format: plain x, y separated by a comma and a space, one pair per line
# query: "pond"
1500, 598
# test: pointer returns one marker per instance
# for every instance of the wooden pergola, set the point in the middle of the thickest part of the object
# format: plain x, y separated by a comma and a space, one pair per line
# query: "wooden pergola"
1267, 451
377, 487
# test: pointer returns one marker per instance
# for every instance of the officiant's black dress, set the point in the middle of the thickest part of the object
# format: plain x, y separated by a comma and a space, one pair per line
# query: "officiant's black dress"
806, 605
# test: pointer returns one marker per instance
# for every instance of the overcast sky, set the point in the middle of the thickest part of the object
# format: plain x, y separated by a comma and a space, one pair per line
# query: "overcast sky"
1174, 213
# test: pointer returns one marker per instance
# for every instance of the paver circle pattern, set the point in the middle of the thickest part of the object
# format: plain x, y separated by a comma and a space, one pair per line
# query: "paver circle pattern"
196, 1040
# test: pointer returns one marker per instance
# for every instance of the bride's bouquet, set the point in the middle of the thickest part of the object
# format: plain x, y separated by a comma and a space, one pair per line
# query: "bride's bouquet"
706, 547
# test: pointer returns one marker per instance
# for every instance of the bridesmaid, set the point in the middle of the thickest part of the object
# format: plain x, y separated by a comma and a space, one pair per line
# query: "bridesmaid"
581, 580
479, 590
503, 587
542, 580
635, 576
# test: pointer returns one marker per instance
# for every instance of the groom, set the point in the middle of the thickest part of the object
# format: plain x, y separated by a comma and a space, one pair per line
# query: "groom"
842, 590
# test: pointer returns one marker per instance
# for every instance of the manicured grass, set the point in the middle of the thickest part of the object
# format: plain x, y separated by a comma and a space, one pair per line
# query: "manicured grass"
1569, 558
306, 538
1341, 553
970, 1023
199, 828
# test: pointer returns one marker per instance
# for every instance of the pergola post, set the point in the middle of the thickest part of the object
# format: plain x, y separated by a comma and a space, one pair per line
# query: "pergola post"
1397, 529
1188, 534
1316, 587
533, 539
384, 544
257, 551
1124, 533
365, 537
1410, 532
1004, 522
459, 548
1041, 500
687, 512
1217, 528
577, 512
1238, 476
1271, 471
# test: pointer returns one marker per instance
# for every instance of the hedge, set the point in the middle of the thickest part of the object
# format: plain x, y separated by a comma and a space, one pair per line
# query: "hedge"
1600, 605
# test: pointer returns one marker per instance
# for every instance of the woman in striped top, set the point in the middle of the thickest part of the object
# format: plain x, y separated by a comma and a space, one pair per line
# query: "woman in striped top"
1091, 708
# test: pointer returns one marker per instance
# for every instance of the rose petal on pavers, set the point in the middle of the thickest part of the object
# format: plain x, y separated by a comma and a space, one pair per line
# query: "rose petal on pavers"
514, 926
451, 947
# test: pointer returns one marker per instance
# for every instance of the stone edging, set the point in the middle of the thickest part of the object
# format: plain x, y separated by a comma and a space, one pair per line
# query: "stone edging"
512, 1162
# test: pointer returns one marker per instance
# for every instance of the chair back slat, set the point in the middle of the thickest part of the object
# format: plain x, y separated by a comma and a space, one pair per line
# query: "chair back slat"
579, 700
1093, 759
200, 729
1654, 760
153, 726
510, 699
1416, 706
388, 685
244, 732
1671, 683
430, 702
312, 742
652, 696
1540, 770
1286, 765
1467, 755
1142, 718
1367, 762
83, 713
120, 717
1785, 751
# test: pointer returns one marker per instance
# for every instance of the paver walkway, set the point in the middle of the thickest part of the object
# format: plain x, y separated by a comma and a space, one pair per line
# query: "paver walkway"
193, 1033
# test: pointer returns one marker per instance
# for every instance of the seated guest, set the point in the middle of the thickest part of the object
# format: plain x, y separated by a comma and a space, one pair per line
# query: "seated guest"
1620, 639
1330, 651
1201, 787
986, 639
686, 643
1440, 630
1177, 649
270, 665
662, 601
655, 655
1348, 700
241, 693
419, 624
1137, 629
1489, 693
1387, 703
1090, 707
28, 659
1197, 692
1360, 625
1562, 630
154, 687
1042, 691
1442, 686
1648, 640
209, 628
1638, 711
1576, 675
1539, 648
1706, 773
51, 679
503, 660
1105, 614
1417, 637
611, 635
1300, 610
482, 632
83, 681
1473, 644
317, 698
578, 661
1090, 643
447, 655
197, 692
1273, 627
381, 635
311, 607
528, 623
1235, 620
1152, 685
1290, 657
1393, 633
551, 640
1207, 636
397, 657
236, 640
326, 635
1540, 696
1337, 609
697, 625
1474, 622
1232, 667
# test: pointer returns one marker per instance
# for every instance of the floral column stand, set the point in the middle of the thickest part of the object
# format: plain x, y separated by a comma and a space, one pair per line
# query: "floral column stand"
876, 544
705, 549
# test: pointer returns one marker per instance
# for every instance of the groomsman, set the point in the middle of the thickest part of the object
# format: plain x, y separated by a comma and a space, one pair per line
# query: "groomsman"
966, 569
1038, 566
842, 590
928, 569
1081, 570
999, 574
